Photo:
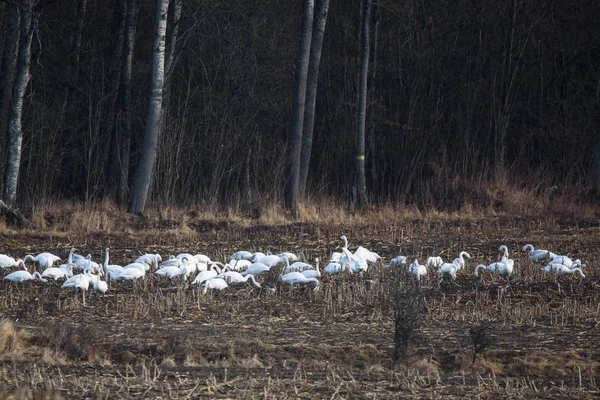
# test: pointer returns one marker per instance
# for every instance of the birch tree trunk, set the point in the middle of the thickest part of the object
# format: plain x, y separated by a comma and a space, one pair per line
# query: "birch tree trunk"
360, 197
15, 131
7, 73
143, 175
298, 104
320, 20
124, 114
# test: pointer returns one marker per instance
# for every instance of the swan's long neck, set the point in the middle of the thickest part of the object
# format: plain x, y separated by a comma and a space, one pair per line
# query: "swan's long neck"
528, 247
214, 267
579, 271
70, 257
106, 259
251, 277
480, 266
345, 239
287, 265
315, 280
37, 274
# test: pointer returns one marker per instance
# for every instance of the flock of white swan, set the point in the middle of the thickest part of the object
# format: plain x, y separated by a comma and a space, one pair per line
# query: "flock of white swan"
82, 274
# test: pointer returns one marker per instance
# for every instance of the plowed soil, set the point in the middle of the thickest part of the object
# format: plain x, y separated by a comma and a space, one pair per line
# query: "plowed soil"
161, 339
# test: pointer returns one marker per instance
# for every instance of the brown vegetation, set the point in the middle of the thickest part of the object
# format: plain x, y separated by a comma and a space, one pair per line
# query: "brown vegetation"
163, 340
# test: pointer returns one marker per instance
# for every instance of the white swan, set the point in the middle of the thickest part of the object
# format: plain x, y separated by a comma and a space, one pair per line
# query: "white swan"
353, 263
80, 281
480, 266
141, 265
504, 269
460, 260
334, 268
58, 273
210, 273
398, 260
567, 261
87, 263
367, 255
45, 260
8, 262
562, 270
434, 262
504, 249
417, 270
214, 284
256, 269
232, 277
100, 286
294, 278
172, 272
150, 259
449, 269
335, 257
22, 276
290, 256
269, 260
130, 274
312, 273
242, 255
238, 265
298, 266
538, 256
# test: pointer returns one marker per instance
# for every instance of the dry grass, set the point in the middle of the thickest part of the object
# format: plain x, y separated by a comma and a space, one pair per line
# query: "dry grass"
335, 342
12, 341
495, 199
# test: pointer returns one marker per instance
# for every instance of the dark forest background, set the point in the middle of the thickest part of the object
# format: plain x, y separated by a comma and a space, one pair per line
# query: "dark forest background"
462, 96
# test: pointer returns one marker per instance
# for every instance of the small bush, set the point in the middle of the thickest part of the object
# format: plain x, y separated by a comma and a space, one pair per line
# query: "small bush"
408, 307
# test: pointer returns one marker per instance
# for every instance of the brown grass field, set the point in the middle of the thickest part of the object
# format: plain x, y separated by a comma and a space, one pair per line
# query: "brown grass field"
163, 340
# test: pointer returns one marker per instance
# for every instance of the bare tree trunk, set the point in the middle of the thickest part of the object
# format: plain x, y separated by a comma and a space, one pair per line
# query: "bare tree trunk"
171, 57
143, 175
124, 114
596, 165
7, 74
360, 196
76, 56
298, 104
171, 44
15, 132
320, 20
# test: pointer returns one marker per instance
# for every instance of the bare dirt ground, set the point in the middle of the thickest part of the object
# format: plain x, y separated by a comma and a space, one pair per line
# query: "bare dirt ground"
167, 340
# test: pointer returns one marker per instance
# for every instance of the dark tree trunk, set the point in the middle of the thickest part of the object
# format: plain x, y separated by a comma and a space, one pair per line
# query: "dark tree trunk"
596, 165
298, 104
15, 131
124, 113
143, 176
76, 56
7, 74
360, 196
320, 20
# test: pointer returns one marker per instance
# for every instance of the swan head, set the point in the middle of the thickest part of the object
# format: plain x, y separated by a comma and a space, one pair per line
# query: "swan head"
528, 247
345, 239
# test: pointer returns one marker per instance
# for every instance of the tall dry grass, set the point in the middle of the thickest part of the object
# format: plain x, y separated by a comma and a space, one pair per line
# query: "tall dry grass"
494, 199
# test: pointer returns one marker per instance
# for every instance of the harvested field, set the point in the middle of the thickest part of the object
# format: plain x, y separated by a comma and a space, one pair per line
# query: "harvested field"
539, 334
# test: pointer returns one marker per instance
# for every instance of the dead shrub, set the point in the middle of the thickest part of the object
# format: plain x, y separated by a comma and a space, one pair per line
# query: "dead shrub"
408, 307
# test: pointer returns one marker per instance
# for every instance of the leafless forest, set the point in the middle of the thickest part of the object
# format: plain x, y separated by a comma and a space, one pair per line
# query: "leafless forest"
461, 97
